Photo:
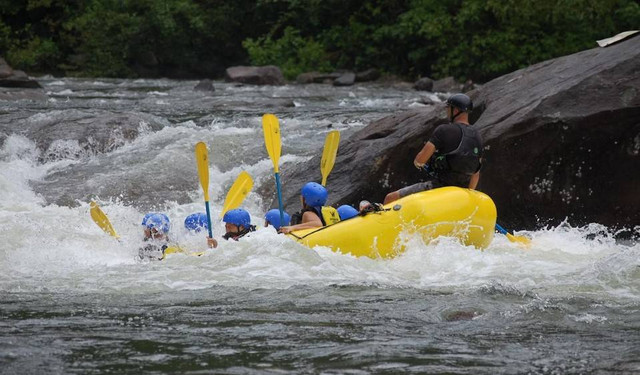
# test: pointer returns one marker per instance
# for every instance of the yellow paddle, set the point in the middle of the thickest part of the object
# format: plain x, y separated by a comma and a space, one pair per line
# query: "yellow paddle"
522, 240
102, 220
239, 190
329, 154
271, 129
202, 160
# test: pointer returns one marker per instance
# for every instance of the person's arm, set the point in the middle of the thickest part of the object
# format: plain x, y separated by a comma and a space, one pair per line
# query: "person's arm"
309, 220
424, 155
473, 183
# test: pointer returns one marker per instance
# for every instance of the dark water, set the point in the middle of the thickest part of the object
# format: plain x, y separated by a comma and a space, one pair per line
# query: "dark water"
74, 300
333, 329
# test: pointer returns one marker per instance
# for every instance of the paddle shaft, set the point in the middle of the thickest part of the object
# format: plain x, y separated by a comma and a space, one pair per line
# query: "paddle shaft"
279, 190
501, 229
513, 238
206, 205
202, 162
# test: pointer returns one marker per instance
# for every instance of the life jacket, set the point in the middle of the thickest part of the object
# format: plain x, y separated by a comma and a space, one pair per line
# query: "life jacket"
465, 159
237, 235
328, 215
152, 250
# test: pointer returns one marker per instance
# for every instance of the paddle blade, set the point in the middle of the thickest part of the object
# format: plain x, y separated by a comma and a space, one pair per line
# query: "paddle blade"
239, 190
202, 160
329, 154
521, 240
102, 220
271, 129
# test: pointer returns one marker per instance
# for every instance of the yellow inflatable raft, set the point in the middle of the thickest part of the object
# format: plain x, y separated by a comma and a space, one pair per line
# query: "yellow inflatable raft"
450, 211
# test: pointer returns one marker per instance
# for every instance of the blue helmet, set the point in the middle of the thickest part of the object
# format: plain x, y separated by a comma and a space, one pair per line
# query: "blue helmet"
346, 212
314, 194
146, 217
237, 217
158, 221
273, 217
196, 222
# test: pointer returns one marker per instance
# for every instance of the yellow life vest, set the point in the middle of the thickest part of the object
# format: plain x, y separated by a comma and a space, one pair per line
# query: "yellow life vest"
330, 215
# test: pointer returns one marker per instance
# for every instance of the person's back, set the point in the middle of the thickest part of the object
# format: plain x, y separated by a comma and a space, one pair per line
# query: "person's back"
452, 156
458, 154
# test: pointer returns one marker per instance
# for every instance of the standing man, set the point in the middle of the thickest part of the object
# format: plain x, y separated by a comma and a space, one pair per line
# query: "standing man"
452, 155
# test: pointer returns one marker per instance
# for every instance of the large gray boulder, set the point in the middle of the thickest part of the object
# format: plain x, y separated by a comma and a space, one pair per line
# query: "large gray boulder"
255, 75
16, 85
205, 85
448, 84
423, 84
5, 69
316, 77
368, 75
346, 79
562, 140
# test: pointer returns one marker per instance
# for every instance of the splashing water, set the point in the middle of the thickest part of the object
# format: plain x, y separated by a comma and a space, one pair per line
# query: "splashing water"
73, 299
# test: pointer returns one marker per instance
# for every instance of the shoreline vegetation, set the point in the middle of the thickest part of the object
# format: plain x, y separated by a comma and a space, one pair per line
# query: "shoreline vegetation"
474, 40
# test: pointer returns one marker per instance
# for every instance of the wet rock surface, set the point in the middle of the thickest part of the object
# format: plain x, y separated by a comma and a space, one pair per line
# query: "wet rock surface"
423, 84
347, 79
16, 85
562, 140
75, 133
255, 75
205, 85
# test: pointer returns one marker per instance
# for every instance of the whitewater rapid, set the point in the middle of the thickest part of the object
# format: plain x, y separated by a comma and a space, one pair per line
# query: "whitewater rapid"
75, 300
54, 248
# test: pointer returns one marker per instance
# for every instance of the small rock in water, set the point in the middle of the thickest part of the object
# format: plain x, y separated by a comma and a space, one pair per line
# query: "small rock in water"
347, 79
460, 315
205, 85
423, 84
368, 75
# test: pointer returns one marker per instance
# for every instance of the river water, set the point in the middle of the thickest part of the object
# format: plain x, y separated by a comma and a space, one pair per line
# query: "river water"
75, 300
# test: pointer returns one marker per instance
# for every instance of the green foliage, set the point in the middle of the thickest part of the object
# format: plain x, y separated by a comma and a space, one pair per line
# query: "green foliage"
477, 39
292, 53
5, 37
34, 54
104, 30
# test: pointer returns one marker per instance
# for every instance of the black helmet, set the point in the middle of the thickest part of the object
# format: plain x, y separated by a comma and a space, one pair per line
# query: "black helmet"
460, 101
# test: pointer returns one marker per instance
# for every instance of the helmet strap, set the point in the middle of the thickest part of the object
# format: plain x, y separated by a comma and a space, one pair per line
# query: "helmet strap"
239, 233
453, 117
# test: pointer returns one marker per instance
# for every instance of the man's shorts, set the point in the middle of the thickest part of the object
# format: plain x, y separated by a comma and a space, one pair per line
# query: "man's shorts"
420, 186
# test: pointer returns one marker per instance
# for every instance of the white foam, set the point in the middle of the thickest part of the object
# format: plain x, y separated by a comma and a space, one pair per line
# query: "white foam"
60, 248
47, 247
